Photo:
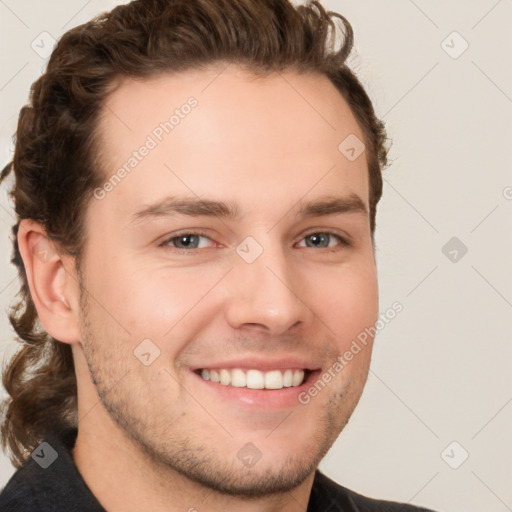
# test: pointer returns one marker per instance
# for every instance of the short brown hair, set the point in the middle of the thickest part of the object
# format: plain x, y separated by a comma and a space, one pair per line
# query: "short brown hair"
56, 151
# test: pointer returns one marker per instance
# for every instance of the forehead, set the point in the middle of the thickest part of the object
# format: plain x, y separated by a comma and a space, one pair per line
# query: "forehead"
223, 131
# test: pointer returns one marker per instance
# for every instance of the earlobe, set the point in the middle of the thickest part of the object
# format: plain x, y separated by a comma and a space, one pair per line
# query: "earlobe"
53, 289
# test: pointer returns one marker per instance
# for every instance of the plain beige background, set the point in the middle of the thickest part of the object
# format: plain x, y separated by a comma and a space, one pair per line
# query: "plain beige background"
440, 387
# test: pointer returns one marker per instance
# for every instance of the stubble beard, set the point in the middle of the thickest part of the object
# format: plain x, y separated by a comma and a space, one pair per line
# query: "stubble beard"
172, 453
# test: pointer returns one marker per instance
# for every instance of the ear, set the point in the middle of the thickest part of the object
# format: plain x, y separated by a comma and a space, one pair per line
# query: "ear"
53, 282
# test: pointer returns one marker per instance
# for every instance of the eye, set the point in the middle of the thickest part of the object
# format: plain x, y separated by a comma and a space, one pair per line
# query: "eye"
185, 241
322, 239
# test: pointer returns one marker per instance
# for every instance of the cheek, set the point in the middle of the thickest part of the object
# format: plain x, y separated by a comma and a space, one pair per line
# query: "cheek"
157, 304
348, 302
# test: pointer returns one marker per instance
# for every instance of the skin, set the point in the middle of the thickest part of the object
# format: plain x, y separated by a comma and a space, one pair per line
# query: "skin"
158, 437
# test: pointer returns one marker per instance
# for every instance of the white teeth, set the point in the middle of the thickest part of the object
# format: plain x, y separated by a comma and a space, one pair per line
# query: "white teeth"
298, 377
225, 377
238, 378
255, 379
274, 380
287, 378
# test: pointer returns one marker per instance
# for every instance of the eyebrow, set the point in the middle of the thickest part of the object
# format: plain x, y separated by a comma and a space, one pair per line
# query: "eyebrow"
195, 207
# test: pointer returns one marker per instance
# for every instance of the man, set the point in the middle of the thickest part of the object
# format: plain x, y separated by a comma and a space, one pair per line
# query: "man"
196, 190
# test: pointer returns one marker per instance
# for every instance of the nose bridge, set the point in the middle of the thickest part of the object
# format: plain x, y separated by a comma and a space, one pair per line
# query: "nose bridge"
265, 287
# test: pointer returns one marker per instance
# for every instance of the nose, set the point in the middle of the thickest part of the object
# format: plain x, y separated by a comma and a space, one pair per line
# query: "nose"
267, 294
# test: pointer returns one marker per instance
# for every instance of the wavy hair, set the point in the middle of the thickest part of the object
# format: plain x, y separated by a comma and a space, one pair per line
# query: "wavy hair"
56, 162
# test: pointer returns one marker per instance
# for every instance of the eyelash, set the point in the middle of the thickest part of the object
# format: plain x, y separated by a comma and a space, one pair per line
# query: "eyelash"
165, 244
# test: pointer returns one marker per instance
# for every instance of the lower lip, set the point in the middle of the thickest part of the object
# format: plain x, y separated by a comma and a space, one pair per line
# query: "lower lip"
269, 399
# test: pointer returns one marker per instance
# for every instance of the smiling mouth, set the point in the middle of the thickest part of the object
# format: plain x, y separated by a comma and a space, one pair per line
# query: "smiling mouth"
255, 379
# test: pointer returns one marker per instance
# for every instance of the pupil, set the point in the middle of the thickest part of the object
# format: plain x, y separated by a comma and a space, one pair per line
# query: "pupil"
186, 237
316, 238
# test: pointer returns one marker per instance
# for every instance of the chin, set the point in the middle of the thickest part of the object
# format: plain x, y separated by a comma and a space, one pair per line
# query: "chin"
263, 479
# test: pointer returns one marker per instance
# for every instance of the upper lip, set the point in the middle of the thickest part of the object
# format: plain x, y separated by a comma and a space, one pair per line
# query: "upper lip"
262, 364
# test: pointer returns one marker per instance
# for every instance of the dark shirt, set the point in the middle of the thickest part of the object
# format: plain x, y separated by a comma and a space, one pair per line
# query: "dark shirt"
48, 484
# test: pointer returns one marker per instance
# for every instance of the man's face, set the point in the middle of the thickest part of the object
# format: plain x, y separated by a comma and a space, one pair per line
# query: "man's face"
256, 300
